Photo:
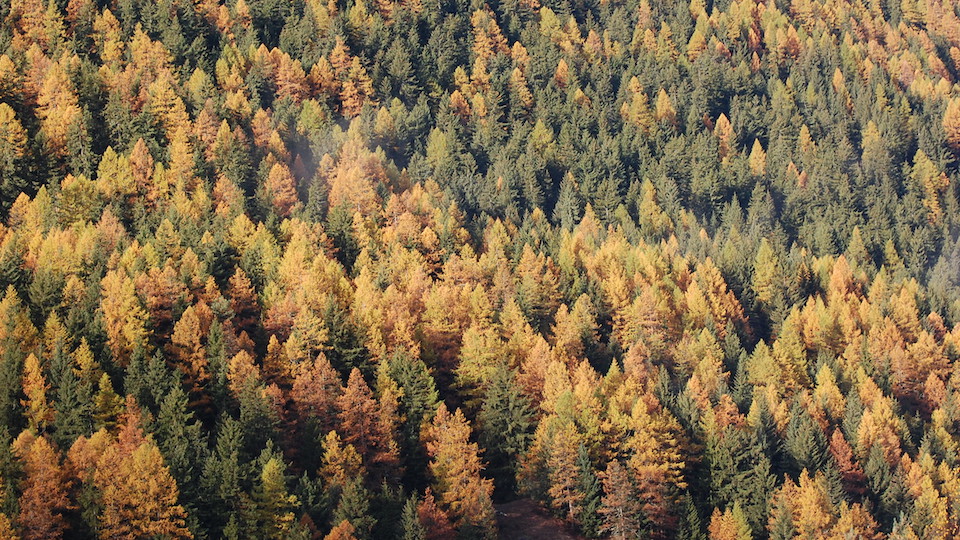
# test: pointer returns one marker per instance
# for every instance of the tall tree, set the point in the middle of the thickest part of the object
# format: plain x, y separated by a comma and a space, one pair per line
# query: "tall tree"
44, 500
455, 465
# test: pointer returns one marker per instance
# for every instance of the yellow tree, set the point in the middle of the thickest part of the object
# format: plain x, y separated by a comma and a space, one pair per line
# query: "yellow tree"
729, 525
274, 506
341, 463
57, 105
657, 461
723, 131
933, 182
39, 412
951, 124
455, 465
562, 465
282, 189
189, 350
13, 140
124, 318
138, 494
43, 499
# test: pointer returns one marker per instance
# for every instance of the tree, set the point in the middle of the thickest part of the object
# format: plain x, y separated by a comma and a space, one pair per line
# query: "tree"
564, 472
123, 315
39, 412
412, 528
73, 397
505, 421
13, 146
343, 531
724, 133
107, 405
138, 494
657, 462
951, 124
358, 413
455, 465
434, 520
281, 187
44, 497
316, 388
354, 507
537, 287
273, 504
180, 440
220, 479
590, 486
729, 525
418, 403
341, 462
243, 302
620, 506
57, 105
187, 340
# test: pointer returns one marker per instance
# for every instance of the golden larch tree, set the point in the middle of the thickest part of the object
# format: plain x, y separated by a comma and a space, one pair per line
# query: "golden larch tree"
38, 410
44, 491
455, 465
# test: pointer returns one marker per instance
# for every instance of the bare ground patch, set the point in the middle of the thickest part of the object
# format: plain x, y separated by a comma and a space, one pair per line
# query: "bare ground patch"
524, 519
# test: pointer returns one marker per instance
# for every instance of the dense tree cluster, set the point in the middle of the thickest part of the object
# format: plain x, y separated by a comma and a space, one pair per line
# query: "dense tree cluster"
360, 269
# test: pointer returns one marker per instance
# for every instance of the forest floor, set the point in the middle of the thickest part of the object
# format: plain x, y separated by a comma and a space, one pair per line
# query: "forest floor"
524, 519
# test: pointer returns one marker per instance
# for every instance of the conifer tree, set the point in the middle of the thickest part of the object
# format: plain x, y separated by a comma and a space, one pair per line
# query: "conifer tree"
139, 495
38, 410
951, 124
44, 501
455, 465
435, 521
354, 507
620, 506
505, 422
274, 515
412, 528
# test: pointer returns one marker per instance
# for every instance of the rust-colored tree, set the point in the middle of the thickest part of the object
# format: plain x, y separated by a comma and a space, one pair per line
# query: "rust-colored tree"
620, 506
44, 491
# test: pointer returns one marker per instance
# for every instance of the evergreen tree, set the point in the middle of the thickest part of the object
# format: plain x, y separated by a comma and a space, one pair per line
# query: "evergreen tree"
505, 420
354, 506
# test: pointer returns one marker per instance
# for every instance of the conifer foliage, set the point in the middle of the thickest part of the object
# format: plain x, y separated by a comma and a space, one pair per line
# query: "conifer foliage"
359, 269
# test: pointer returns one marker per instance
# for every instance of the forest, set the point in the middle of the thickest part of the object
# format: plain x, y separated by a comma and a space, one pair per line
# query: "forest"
364, 269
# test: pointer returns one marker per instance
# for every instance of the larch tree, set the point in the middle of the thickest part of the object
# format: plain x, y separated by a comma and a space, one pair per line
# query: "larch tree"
564, 490
243, 302
57, 105
44, 499
188, 347
316, 388
13, 142
342, 531
38, 410
620, 506
357, 415
138, 494
124, 317
951, 124
435, 521
456, 466
729, 525
340, 462
281, 187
